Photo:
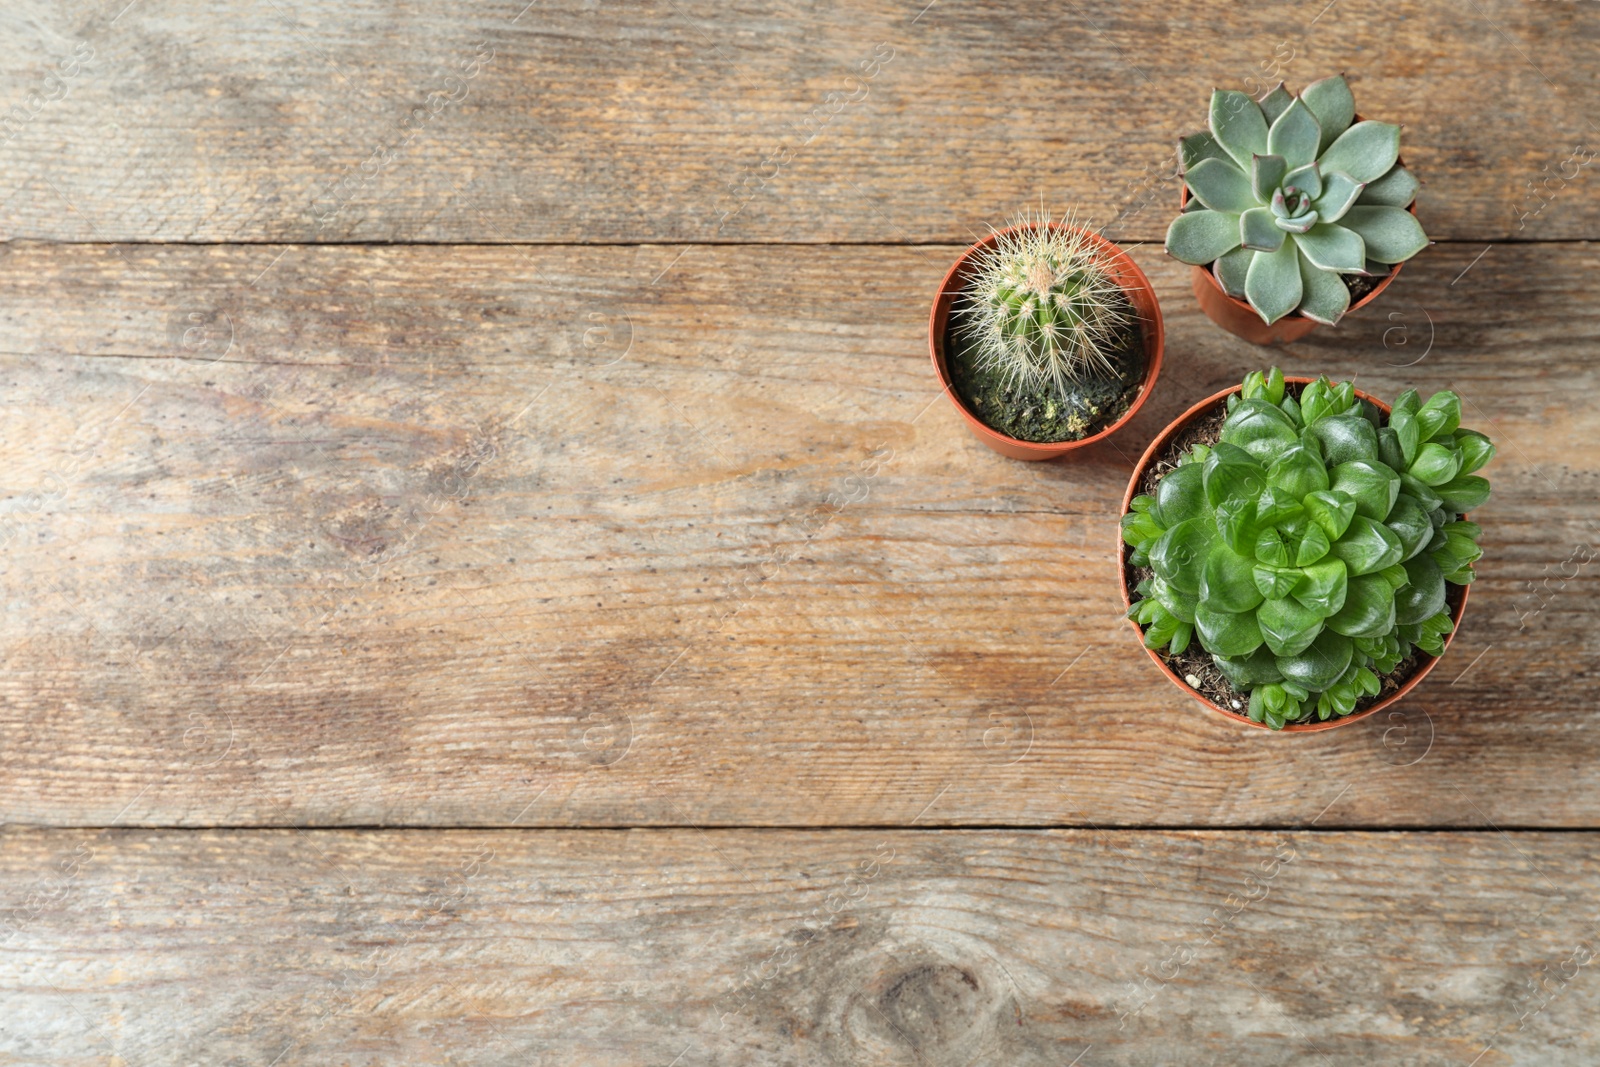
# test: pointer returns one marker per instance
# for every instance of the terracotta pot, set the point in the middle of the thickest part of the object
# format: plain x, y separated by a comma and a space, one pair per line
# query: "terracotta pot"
1240, 319
1457, 600
1140, 294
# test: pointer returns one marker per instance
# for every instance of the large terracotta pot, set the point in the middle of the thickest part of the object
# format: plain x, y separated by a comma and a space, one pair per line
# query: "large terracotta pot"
1140, 294
1456, 596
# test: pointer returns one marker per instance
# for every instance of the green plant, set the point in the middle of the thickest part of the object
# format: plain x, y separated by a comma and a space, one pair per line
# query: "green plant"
1308, 548
1041, 308
1288, 195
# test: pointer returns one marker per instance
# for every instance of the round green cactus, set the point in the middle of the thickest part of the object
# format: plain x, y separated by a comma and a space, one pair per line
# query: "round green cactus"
1307, 550
1041, 307
1288, 195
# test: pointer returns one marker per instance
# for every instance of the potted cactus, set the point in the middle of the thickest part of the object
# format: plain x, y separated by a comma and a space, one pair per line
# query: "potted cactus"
1045, 337
1297, 553
1294, 210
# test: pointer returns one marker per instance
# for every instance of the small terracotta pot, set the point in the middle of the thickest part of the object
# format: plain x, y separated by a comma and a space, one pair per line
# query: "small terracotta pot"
1140, 294
1176, 427
1240, 319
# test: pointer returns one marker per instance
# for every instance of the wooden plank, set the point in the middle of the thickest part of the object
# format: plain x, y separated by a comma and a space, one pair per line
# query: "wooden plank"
415, 553
787, 948
776, 120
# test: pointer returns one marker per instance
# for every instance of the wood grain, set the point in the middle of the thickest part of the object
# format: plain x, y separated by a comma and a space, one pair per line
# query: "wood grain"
777, 120
785, 948
660, 536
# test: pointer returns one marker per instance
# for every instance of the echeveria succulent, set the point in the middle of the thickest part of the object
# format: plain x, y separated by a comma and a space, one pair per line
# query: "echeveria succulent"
1308, 548
1288, 195
1041, 306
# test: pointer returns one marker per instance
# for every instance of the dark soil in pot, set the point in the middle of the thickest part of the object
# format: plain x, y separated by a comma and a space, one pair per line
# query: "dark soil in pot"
1194, 663
1041, 414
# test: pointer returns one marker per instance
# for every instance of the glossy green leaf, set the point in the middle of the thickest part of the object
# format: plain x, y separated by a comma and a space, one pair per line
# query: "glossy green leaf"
1232, 474
1390, 234
1199, 237
1287, 626
1177, 604
1371, 484
1331, 101
1424, 596
1476, 450
1421, 490
1221, 186
1331, 511
1410, 524
1137, 529
1463, 493
1273, 284
1368, 610
1365, 151
1238, 125
1226, 633
1321, 664
1261, 429
1178, 554
1276, 506
1436, 464
1270, 549
1405, 426
1322, 587
1295, 135
1367, 546
1246, 672
1259, 232
1298, 471
1274, 583
1345, 439
1181, 495
1227, 583
1390, 453
1398, 188
1313, 545
1440, 416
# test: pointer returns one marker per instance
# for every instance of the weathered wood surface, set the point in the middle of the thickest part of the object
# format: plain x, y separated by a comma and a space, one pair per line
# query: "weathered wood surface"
686, 535
1028, 949
572, 120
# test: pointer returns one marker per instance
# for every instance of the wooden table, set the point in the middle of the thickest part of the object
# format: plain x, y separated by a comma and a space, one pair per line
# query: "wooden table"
489, 576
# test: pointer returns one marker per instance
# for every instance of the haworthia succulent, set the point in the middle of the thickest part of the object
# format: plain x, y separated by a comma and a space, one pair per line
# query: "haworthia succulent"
1298, 556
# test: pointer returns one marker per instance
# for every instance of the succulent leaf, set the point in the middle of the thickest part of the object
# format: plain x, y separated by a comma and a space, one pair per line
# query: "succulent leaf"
1221, 186
1365, 151
1339, 193
1392, 234
1275, 101
1199, 237
1232, 268
1334, 248
1273, 283
1266, 176
1295, 136
1197, 146
1307, 179
1324, 298
1398, 188
1238, 125
1331, 101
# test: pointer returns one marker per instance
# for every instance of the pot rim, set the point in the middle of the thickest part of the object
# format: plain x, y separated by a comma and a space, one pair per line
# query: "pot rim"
1161, 441
1153, 331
